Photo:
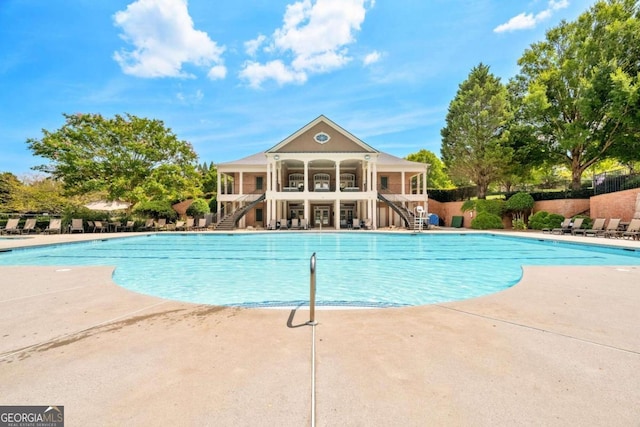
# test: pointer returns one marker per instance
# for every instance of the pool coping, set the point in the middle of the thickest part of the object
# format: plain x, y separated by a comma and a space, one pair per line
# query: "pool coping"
561, 347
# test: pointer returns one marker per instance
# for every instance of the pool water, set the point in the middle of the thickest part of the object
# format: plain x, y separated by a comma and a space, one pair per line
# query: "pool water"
357, 269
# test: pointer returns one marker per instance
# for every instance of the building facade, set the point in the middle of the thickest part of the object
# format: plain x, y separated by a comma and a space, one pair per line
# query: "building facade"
321, 176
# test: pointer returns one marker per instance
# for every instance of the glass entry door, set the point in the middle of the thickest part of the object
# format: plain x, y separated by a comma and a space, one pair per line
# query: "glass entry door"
321, 215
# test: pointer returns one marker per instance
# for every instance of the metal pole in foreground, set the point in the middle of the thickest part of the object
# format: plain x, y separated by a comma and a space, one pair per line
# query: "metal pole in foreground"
312, 291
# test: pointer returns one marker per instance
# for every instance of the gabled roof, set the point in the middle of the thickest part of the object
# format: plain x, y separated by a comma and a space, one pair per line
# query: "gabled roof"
324, 120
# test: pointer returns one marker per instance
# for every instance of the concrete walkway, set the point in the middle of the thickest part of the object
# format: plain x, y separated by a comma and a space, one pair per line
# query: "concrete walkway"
560, 348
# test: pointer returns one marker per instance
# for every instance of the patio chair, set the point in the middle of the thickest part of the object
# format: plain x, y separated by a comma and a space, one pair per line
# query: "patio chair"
565, 227
202, 224
190, 223
295, 224
161, 224
367, 224
29, 226
304, 225
76, 225
284, 224
148, 224
128, 226
598, 225
273, 224
99, 227
179, 226
356, 223
633, 230
55, 226
11, 226
612, 229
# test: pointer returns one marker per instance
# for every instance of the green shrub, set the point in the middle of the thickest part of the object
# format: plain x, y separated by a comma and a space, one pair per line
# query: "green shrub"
198, 208
156, 209
494, 206
542, 219
486, 221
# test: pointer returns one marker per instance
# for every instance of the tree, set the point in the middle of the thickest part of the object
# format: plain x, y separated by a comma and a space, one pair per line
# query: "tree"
436, 177
126, 157
520, 205
10, 186
582, 87
474, 139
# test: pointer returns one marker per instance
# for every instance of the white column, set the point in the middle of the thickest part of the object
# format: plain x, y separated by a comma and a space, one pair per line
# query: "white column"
241, 189
306, 179
337, 177
402, 178
336, 214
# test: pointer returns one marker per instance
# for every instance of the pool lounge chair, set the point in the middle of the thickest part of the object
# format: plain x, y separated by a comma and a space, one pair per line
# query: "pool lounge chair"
55, 226
295, 223
633, 230
367, 224
29, 226
273, 225
148, 225
283, 224
612, 229
128, 226
76, 225
303, 224
99, 227
565, 227
161, 224
356, 223
598, 225
11, 227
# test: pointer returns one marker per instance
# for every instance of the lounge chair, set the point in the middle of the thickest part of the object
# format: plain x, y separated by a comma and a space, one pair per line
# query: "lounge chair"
295, 224
367, 224
202, 224
612, 229
633, 230
356, 223
597, 226
11, 226
179, 226
161, 224
76, 225
565, 227
55, 226
284, 224
273, 224
29, 226
149, 224
128, 226
99, 227
190, 223
303, 224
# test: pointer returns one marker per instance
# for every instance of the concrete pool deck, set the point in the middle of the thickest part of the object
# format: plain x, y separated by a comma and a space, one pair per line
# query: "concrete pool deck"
560, 348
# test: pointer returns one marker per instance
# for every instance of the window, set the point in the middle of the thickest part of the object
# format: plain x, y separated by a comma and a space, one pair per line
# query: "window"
384, 182
259, 182
259, 215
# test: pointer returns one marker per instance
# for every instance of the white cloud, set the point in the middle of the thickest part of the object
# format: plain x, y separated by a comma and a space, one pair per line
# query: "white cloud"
525, 21
372, 58
217, 73
164, 40
252, 46
256, 73
315, 34
190, 99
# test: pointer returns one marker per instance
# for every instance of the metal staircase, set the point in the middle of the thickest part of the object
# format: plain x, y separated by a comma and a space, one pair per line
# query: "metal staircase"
407, 216
230, 220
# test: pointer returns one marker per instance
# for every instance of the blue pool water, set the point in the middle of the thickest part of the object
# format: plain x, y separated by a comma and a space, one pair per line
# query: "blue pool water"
363, 269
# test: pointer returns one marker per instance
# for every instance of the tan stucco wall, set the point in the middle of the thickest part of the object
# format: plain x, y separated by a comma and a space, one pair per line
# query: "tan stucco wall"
338, 143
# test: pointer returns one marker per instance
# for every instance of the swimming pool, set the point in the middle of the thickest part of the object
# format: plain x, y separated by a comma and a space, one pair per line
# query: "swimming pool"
357, 269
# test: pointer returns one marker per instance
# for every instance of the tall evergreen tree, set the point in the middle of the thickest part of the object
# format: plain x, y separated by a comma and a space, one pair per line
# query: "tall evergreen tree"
474, 140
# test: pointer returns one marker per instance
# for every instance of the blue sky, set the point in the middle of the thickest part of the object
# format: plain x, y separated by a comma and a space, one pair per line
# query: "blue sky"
235, 78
